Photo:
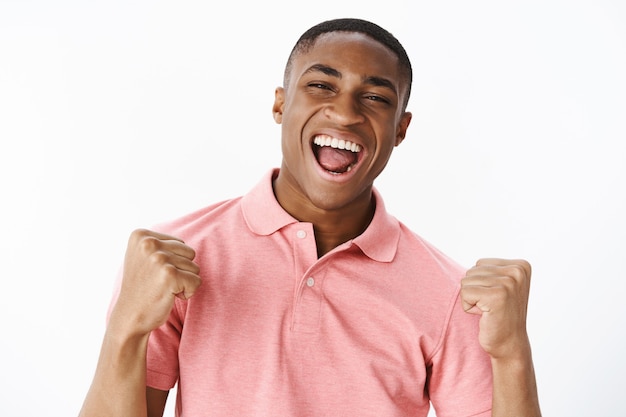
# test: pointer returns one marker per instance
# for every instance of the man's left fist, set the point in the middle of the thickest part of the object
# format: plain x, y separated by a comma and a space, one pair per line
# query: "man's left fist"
498, 289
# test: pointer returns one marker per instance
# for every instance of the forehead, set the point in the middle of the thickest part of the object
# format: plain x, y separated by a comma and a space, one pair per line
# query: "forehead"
349, 53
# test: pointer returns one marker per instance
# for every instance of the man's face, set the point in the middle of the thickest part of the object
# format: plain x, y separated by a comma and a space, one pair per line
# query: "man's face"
345, 92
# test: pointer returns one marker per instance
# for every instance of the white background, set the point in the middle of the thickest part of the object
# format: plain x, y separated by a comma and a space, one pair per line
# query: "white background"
116, 115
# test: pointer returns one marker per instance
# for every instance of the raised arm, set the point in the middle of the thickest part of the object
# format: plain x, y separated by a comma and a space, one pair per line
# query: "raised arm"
157, 268
498, 290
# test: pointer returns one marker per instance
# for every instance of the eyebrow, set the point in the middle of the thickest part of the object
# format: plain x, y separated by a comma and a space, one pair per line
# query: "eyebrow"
381, 82
323, 69
332, 72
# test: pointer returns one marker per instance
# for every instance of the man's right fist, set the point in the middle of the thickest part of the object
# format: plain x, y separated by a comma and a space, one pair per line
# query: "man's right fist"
157, 268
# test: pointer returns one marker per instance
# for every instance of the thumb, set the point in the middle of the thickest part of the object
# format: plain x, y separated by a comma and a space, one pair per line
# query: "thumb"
187, 284
471, 301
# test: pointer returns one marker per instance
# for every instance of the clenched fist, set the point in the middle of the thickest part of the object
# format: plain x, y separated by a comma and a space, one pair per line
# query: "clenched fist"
157, 268
498, 290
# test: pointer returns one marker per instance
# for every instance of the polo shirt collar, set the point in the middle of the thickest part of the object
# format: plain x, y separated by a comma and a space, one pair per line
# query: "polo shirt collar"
264, 216
380, 239
261, 210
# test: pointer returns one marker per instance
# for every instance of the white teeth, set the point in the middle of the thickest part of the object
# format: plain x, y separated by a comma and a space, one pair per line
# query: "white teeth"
325, 140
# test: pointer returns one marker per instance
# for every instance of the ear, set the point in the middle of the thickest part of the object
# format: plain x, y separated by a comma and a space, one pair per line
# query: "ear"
405, 120
279, 103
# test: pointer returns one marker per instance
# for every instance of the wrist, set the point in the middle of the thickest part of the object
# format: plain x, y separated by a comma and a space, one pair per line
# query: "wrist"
122, 337
514, 349
127, 324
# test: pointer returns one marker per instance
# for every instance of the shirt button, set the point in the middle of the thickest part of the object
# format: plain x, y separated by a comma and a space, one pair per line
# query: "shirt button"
310, 282
301, 234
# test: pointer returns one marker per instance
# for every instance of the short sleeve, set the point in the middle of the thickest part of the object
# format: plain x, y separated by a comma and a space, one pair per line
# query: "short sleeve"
162, 356
460, 380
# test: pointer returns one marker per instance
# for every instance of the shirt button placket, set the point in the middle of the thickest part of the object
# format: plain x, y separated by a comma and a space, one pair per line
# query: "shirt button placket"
307, 308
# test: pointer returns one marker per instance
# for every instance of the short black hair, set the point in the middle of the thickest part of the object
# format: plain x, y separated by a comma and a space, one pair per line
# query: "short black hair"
374, 31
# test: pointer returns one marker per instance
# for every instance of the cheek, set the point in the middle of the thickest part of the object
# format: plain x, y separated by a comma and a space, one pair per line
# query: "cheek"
291, 142
296, 119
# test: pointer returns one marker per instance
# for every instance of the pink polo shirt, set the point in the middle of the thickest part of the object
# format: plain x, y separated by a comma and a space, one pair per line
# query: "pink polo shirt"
373, 328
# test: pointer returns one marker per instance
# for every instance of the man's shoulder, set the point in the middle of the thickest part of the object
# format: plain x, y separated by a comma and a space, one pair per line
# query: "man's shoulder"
200, 220
429, 256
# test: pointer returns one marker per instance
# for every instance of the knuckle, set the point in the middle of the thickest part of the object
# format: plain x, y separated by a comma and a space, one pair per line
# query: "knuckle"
136, 235
160, 258
170, 270
148, 244
526, 266
517, 271
167, 274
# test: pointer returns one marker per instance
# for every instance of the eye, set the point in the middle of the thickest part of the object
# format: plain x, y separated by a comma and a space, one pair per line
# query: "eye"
319, 85
377, 98
320, 89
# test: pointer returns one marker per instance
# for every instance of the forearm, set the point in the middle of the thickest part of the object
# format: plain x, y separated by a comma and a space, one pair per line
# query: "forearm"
119, 384
515, 387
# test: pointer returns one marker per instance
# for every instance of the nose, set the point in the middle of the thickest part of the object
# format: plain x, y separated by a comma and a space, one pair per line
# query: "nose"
344, 110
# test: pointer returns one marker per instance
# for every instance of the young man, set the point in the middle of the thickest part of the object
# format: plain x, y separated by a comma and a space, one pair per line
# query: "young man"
305, 297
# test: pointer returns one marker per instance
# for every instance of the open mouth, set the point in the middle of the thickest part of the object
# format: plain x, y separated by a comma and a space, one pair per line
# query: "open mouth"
336, 156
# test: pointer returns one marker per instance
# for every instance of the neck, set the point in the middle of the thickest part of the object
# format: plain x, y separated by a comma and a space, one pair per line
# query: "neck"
332, 226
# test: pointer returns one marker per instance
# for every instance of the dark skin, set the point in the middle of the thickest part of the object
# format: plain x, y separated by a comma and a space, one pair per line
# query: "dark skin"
347, 87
